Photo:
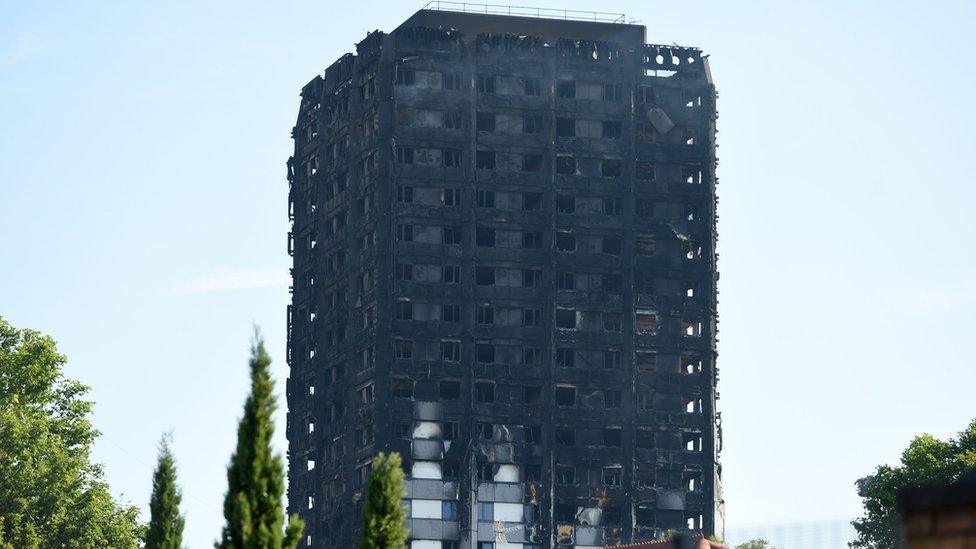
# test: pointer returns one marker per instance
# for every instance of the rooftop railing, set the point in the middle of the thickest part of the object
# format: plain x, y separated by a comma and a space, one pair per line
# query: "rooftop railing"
524, 11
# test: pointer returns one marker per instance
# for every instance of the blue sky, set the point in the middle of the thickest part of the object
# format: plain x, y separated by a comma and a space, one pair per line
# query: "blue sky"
143, 221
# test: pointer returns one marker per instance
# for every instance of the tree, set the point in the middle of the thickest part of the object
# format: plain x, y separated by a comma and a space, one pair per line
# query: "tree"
255, 477
927, 460
51, 494
165, 522
383, 517
755, 544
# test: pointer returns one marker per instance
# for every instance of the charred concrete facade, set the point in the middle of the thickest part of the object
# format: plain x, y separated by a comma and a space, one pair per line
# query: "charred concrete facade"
505, 270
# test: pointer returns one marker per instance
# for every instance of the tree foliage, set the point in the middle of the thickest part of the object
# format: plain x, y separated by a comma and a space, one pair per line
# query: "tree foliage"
255, 477
927, 460
383, 516
165, 522
755, 544
51, 494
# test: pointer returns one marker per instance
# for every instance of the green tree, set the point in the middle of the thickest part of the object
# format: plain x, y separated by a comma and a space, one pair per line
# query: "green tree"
927, 460
165, 522
255, 477
383, 517
51, 494
755, 544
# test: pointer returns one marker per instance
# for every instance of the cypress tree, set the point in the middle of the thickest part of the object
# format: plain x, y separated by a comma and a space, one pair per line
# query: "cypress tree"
383, 517
255, 477
165, 521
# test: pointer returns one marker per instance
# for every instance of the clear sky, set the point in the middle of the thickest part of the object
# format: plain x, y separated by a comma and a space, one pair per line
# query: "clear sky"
143, 221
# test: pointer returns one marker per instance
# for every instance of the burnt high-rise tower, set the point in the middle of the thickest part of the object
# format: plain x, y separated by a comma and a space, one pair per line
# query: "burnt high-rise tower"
505, 270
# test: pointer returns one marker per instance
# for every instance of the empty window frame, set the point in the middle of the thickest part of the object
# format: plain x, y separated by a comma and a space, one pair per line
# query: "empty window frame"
566, 89
612, 475
644, 170
612, 322
531, 240
611, 167
451, 274
645, 438
486, 199
611, 245
403, 310
450, 235
484, 353
451, 80
403, 271
612, 437
611, 206
644, 208
531, 278
485, 237
646, 322
612, 129
564, 435
531, 355
565, 203
532, 163
612, 92
566, 318
402, 348
485, 314
486, 83
566, 281
484, 391
485, 121
532, 124
404, 233
565, 127
645, 245
565, 242
565, 357
566, 164
646, 361
531, 201
451, 351
451, 312
531, 394
565, 395
451, 158
484, 275
450, 390
404, 194
565, 474
453, 120
402, 387
451, 197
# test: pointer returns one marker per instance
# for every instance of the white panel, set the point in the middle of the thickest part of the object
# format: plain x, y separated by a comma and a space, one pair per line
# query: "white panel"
425, 544
425, 508
507, 473
508, 512
425, 469
427, 429
500, 545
